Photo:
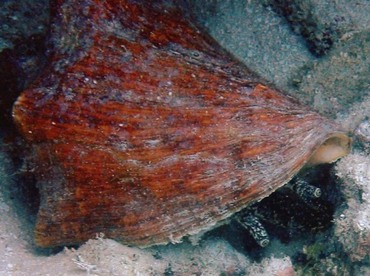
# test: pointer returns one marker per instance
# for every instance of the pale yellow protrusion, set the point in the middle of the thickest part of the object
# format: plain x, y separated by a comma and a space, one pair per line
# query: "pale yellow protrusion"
331, 150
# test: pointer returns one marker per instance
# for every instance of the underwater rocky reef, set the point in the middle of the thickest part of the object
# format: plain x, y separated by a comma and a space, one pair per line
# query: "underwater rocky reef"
315, 51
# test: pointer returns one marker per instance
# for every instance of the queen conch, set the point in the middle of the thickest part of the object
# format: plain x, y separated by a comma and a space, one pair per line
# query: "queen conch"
143, 128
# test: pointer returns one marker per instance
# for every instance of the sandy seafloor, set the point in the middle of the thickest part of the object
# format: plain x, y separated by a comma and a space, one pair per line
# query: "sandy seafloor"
329, 69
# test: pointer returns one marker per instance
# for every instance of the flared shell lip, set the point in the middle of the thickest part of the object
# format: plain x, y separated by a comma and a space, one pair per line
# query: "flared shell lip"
340, 140
346, 143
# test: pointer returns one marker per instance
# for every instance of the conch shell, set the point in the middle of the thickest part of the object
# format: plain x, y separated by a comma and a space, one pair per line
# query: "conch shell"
144, 129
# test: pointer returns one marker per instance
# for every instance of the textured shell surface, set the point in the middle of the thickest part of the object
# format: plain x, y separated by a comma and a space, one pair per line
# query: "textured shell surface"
144, 129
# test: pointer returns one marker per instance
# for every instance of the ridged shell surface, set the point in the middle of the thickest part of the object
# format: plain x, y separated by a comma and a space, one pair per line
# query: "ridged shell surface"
144, 129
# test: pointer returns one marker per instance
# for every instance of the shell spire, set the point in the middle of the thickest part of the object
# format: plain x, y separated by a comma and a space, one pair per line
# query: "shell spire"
144, 129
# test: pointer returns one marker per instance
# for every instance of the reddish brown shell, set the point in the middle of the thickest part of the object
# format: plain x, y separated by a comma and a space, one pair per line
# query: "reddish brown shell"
145, 130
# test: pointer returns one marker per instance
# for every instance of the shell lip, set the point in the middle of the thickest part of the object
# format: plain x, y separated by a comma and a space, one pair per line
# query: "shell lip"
334, 147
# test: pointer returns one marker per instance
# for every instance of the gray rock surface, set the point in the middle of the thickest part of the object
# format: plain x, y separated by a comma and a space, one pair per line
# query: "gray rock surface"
323, 23
340, 79
257, 36
22, 19
352, 225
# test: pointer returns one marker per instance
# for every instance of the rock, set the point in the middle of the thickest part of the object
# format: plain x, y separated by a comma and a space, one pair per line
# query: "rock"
323, 23
212, 257
341, 79
352, 225
23, 28
257, 36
